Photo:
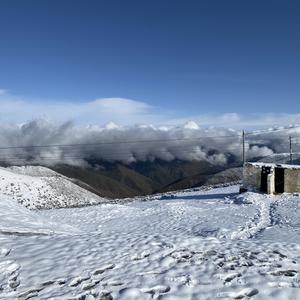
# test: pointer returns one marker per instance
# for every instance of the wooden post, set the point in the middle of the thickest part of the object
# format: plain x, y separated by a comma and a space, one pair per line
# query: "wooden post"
244, 152
291, 151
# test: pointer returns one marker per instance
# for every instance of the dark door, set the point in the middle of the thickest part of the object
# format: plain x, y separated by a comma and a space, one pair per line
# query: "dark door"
279, 180
265, 171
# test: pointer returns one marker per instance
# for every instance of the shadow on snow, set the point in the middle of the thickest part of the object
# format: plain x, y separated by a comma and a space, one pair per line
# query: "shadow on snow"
200, 197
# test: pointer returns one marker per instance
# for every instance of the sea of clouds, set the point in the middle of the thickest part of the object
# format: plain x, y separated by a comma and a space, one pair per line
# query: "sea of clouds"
41, 141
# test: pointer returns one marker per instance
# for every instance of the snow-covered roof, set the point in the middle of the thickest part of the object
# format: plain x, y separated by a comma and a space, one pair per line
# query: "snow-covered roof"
273, 165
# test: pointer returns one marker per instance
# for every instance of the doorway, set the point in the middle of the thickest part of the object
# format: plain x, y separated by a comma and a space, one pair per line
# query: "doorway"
265, 171
279, 180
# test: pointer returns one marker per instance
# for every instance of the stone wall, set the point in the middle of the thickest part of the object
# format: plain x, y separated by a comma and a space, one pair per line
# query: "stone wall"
251, 177
291, 180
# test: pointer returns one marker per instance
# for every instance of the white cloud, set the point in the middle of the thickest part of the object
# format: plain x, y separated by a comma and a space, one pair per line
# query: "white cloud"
242, 121
100, 111
256, 151
184, 142
123, 111
169, 137
167, 143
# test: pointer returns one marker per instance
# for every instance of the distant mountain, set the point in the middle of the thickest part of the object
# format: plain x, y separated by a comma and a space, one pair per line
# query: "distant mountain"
208, 178
164, 173
226, 176
280, 158
117, 180
97, 181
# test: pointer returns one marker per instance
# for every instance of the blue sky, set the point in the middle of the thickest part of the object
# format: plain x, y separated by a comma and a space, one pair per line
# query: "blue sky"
175, 59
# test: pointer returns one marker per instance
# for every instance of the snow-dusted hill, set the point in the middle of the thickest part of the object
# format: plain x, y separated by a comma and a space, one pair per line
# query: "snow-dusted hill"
195, 244
39, 187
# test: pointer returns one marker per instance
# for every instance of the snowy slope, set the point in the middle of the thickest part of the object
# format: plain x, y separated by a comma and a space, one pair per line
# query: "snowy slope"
36, 171
196, 244
39, 188
15, 219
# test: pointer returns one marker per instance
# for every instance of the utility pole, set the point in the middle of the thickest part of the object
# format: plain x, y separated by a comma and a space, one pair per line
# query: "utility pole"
291, 151
244, 152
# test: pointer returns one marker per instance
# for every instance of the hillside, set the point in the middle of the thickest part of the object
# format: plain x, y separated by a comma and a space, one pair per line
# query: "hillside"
209, 178
101, 184
226, 176
281, 158
41, 188
117, 180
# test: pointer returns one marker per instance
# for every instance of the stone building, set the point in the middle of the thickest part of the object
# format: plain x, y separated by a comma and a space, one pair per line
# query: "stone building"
271, 178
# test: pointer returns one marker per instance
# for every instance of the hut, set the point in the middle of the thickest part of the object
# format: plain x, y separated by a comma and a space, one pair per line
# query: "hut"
271, 178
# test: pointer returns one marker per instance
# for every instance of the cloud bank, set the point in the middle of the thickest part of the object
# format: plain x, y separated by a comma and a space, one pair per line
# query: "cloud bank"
130, 144
127, 135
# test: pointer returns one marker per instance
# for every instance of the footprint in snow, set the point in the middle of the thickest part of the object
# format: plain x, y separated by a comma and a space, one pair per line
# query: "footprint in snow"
89, 285
89, 295
247, 292
182, 255
281, 284
29, 293
158, 289
288, 273
9, 274
103, 269
77, 280
112, 283
133, 294
141, 256
62, 281
228, 278
4, 252
48, 282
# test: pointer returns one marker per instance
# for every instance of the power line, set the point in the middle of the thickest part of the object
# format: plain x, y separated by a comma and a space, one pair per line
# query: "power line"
126, 153
118, 142
105, 151
33, 151
271, 131
148, 140
117, 155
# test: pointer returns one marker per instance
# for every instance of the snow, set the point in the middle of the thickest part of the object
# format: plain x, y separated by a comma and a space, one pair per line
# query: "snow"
15, 219
36, 171
42, 188
191, 125
203, 243
273, 165
111, 125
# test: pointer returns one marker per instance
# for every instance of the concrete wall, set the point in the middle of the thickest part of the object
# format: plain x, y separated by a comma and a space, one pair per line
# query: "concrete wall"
251, 177
291, 180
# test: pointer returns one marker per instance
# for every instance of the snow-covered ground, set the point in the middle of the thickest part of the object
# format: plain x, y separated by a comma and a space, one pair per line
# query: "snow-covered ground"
196, 244
41, 188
